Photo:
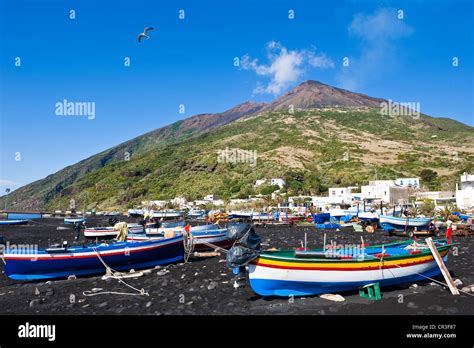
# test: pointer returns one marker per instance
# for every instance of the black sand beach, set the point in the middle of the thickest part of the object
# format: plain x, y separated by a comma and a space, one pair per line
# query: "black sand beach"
205, 286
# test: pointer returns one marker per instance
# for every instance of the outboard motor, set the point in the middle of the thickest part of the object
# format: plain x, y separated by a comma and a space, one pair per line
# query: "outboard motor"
246, 249
247, 246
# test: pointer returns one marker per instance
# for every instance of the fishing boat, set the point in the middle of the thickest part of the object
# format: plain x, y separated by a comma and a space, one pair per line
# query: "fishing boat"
368, 216
74, 220
202, 235
321, 218
135, 212
312, 272
109, 231
394, 223
263, 217
160, 228
198, 214
61, 262
167, 214
13, 222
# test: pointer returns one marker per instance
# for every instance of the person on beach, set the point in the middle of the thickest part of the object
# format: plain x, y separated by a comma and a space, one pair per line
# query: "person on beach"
78, 226
449, 231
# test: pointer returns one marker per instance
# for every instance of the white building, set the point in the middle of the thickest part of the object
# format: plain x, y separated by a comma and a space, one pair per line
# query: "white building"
343, 195
408, 182
385, 190
180, 202
441, 199
280, 182
211, 198
465, 192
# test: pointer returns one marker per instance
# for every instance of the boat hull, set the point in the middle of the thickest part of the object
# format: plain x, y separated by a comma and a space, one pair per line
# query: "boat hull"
107, 232
36, 265
392, 223
276, 276
74, 220
13, 222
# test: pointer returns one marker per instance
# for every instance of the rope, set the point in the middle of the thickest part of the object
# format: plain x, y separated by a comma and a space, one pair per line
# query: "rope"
188, 242
112, 272
422, 275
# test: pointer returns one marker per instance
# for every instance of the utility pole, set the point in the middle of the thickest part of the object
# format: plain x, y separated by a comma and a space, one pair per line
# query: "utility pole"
7, 190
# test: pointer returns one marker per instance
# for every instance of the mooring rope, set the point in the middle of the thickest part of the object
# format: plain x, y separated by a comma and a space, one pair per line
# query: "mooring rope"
188, 242
422, 275
111, 271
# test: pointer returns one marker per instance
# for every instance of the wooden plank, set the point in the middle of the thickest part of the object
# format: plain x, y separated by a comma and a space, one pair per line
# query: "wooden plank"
439, 260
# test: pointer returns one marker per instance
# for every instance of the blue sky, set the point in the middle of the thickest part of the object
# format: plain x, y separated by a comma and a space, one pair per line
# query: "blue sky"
191, 62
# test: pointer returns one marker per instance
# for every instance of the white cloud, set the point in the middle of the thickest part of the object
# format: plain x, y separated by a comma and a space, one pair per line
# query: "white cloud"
285, 66
379, 34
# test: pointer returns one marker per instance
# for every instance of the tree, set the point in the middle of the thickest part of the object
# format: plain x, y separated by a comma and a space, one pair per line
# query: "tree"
429, 178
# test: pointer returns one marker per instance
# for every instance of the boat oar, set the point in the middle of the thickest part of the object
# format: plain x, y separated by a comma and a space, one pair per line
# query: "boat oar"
439, 260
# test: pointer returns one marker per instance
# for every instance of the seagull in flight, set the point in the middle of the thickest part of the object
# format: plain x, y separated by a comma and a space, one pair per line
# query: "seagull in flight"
144, 34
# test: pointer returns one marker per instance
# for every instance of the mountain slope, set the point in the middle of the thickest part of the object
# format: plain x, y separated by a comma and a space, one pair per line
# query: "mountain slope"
314, 94
343, 145
38, 194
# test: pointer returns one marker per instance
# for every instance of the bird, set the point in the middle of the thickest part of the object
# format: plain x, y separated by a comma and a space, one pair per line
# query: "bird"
144, 34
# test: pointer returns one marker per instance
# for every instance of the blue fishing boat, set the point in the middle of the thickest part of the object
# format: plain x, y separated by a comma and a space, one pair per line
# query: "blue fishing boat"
321, 218
394, 223
74, 220
37, 264
13, 222
202, 236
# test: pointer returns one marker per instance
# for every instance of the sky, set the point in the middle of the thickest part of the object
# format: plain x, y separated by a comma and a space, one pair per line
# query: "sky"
220, 54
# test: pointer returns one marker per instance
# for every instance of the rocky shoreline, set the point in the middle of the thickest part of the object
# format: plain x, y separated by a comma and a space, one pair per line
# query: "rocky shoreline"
205, 286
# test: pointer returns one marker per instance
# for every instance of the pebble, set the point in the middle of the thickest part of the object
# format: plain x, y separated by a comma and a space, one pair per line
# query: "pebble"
436, 308
35, 302
72, 277
103, 304
148, 304
162, 272
458, 282
86, 305
184, 275
212, 285
414, 286
412, 305
452, 310
37, 292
